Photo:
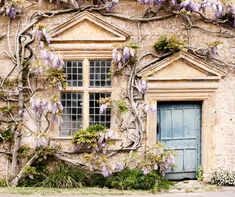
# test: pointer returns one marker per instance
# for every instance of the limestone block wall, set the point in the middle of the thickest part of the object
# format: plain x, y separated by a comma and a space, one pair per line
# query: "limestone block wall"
146, 34
224, 124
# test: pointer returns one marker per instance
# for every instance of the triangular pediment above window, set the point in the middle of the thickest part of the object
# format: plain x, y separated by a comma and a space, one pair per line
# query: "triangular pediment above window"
182, 66
87, 27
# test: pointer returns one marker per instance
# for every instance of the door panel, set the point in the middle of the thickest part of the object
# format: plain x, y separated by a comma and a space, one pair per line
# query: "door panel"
179, 128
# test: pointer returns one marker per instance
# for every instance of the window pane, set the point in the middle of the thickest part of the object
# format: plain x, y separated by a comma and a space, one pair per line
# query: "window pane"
73, 72
72, 113
95, 116
99, 73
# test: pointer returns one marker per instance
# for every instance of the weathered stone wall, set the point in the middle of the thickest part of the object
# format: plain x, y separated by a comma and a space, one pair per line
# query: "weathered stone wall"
146, 34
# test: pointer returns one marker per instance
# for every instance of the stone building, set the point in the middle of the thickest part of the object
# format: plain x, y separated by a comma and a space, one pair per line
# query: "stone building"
194, 98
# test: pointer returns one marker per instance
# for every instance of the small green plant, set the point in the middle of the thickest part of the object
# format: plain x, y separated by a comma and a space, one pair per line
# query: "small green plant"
94, 138
199, 173
55, 77
214, 44
116, 105
6, 134
24, 150
3, 183
135, 179
29, 170
64, 176
121, 105
223, 177
169, 43
6, 110
88, 138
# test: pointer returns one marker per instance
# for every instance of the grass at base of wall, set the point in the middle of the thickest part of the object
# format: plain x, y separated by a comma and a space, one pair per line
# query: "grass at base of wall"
77, 191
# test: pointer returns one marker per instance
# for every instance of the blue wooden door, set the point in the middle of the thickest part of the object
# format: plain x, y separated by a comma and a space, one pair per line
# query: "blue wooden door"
179, 128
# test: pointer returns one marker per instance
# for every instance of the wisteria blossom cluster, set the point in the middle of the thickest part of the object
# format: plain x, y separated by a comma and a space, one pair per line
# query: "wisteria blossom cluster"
104, 139
221, 9
157, 159
108, 103
105, 104
41, 34
149, 108
40, 106
213, 48
109, 4
154, 159
95, 138
142, 86
51, 59
121, 56
12, 8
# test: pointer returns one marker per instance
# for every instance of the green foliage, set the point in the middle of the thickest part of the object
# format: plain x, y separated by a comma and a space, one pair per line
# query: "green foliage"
132, 45
3, 183
64, 176
6, 110
6, 134
169, 43
55, 77
24, 150
96, 128
96, 180
45, 151
214, 44
223, 177
121, 105
30, 170
135, 179
199, 173
88, 138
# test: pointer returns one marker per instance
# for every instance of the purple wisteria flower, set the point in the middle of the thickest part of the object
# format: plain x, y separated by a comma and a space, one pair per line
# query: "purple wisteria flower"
151, 2
126, 55
146, 171
169, 161
11, 12
56, 61
148, 108
116, 55
142, 86
218, 8
55, 107
41, 34
121, 56
190, 5
103, 108
110, 134
118, 167
38, 105
51, 59
204, 4
105, 171
42, 141
111, 4
155, 167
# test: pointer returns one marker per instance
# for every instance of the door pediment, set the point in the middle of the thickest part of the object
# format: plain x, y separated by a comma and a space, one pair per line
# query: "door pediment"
87, 27
182, 66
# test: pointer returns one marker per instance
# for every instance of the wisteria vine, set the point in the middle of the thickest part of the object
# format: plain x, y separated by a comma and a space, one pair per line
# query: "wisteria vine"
43, 69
